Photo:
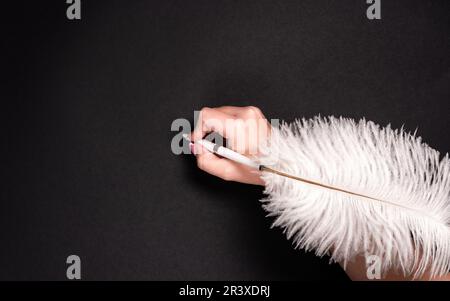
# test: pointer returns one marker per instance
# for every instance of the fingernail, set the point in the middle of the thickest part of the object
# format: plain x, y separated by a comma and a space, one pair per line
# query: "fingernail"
191, 146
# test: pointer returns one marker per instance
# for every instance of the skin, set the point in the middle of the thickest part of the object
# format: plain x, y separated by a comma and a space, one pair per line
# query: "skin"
214, 120
229, 122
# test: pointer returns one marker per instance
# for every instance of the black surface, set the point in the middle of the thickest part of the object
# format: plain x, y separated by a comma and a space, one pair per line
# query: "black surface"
88, 104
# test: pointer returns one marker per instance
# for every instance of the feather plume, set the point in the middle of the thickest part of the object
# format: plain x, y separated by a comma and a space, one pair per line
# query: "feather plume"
406, 224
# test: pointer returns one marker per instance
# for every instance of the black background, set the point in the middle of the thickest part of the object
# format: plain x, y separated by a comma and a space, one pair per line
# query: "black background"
87, 107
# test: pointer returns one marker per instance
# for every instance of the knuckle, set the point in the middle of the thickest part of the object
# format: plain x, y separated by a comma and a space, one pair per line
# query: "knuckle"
205, 110
254, 111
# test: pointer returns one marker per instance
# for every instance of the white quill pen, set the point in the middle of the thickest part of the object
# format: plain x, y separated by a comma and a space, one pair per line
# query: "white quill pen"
400, 206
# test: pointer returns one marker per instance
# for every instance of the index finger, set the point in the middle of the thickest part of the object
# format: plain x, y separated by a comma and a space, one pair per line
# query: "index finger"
211, 120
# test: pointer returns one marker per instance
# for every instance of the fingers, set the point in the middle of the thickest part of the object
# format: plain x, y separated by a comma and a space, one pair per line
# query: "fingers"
214, 165
221, 118
242, 128
211, 120
227, 170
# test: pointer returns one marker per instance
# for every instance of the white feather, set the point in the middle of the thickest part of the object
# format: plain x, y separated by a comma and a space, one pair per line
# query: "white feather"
411, 234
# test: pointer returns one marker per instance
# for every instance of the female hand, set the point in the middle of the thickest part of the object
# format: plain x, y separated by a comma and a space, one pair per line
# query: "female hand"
244, 128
